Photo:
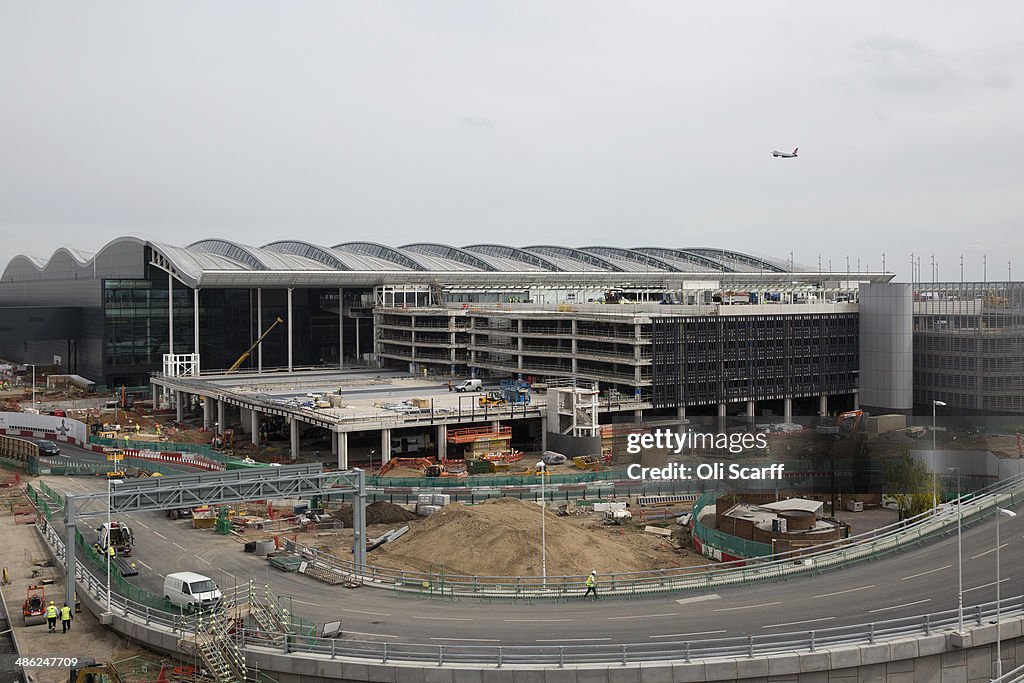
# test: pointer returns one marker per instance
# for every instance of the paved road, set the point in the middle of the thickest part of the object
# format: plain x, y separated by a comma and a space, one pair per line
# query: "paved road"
70, 453
922, 579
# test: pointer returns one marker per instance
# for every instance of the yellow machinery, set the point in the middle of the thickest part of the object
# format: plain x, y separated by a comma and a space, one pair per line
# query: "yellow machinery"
93, 672
245, 356
492, 398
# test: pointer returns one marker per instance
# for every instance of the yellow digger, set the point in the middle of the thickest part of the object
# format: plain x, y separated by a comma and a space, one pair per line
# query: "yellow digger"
90, 671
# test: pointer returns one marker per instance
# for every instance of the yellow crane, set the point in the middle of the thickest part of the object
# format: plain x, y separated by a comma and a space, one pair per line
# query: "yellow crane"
245, 356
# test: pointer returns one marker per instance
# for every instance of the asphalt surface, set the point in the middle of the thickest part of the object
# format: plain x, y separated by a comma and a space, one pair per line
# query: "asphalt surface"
919, 580
70, 453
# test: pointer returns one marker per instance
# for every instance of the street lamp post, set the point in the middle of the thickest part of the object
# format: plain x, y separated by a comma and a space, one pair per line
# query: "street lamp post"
110, 495
542, 467
999, 649
959, 553
935, 474
33, 386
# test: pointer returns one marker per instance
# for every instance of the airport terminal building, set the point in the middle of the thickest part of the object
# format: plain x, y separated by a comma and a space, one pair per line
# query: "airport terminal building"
675, 328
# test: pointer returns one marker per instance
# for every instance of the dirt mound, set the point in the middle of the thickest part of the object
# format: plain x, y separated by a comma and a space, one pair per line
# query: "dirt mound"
502, 538
380, 512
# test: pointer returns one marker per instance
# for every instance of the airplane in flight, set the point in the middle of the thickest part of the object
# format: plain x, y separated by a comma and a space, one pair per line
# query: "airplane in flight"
786, 155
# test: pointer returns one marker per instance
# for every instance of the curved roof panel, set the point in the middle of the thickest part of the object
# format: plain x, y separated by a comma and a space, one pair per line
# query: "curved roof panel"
513, 258
309, 251
580, 260
192, 263
382, 252
629, 259
742, 262
685, 261
240, 254
447, 257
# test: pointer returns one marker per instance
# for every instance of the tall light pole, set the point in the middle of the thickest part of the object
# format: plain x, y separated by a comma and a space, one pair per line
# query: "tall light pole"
959, 553
542, 467
999, 648
935, 475
110, 495
33, 386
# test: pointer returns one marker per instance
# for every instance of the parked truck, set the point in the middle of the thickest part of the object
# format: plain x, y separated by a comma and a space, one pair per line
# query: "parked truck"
117, 534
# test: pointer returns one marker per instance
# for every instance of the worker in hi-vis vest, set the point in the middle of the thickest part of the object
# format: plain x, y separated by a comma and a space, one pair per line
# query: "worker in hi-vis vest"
65, 618
591, 585
51, 617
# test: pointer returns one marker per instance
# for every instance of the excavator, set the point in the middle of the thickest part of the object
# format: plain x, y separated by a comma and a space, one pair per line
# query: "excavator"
837, 428
91, 671
245, 356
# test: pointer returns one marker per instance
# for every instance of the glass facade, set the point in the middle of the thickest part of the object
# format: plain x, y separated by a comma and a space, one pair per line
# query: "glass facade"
135, 334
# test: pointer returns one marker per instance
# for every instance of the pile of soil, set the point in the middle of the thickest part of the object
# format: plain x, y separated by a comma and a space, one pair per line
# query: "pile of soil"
502, 538
380, 512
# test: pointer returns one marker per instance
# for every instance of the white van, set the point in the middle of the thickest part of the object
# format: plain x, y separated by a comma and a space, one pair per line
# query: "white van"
191, 591
470, 385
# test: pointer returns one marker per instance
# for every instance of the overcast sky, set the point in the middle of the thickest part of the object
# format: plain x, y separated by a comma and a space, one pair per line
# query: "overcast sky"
576, 123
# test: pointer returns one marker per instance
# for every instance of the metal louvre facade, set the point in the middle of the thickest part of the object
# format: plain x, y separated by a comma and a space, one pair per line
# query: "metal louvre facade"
712, 359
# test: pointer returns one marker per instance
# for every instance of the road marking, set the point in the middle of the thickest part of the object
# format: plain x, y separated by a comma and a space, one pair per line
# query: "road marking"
909, 604
471, 640
795, 623
848, 590
683, 635
533, 620
359, 611
142, 524
990, 550
699, 598
446, 618
303, 602
181, 547
646, 616
145, 565
930, 571
569, 640
763, 604
375, 635
157, 533
201, 559
991, 583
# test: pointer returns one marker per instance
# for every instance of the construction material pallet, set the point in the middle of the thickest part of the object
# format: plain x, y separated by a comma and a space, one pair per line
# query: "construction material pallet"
322, 574
286, 563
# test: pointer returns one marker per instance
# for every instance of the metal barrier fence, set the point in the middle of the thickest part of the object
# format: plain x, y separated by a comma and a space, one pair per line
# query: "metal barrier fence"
555, 655
679, 650
873, 544
739, 547
168, 446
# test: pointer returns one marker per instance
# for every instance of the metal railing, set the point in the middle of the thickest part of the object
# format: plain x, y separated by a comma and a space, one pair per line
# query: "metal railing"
628, 653
302, 640
876, 543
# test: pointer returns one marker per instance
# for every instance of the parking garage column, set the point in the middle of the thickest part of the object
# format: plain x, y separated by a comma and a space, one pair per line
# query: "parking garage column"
544, 432
856, 401
207, 411
823, 406
254, 416
751, 409
442, 442
385, 446
519, 344
342, 450
156, 396
221, 420
575, 364
178, 407
787, 410
244, 418
721, 417
295, 438
341, 328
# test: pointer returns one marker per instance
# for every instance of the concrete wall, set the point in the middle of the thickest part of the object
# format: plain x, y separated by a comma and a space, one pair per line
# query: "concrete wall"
886, 348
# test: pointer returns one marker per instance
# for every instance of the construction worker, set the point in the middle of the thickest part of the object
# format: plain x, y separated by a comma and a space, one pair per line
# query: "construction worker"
110, 551
65, 618
591, 585
51, 617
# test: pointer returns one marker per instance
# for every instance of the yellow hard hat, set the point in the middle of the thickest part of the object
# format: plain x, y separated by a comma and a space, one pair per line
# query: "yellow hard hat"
51, 602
